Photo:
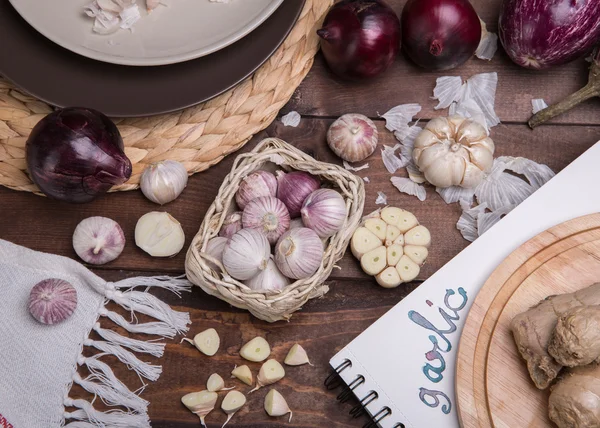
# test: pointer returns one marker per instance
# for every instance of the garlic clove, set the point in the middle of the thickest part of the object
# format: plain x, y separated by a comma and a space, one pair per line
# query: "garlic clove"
233, 401
377, 226
256, 350
392, 233
400, 218
407, 269
256, 185
159, 234
389, 278
363, 241
394, 252
297, 356
207, 342
231, 225
246, 254
275, 405
324, 211
418, 236
162, 182
353, 137
399, 240
52, 301
98, 240
216, 383
374, 261
270, 279
242, 373
406, 221
299, 253
200, 403
416, 254
270, 372
214, 248
268, 215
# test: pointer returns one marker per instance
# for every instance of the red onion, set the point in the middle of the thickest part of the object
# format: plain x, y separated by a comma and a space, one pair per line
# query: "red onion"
293, 189
360, 38
440, 34
76, 154
540, 34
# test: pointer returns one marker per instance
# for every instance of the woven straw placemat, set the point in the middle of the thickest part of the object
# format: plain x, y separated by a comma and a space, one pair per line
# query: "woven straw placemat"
199, 136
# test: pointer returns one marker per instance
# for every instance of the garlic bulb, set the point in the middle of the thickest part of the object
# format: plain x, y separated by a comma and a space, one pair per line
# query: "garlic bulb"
256, 185
267, 215
324, 211
231, 225
293, 189
453, 151
98, 240
246, 254
270, 279
159, 234
299, 253
275, 405
214, 248
162, 182
353, 137
52, 301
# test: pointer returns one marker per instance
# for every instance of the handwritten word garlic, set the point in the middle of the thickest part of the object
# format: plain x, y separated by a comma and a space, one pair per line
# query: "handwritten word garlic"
242, 373
353, 137
207, 342
256, 350
159, 234
216, 383
200, 403
270, 279
275, 405
297, 356
52, 301
231, 225
299, 253
453, 151
256, 185
270, 372
214, 248
98, 240
233, 401
391, 246
324, 211
246, 254
267, 215
162, 182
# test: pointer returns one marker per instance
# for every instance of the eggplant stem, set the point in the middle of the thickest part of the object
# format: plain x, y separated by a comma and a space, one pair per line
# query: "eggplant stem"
591, 90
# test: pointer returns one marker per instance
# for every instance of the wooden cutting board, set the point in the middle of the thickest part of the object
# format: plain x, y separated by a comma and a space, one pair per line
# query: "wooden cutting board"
493, 387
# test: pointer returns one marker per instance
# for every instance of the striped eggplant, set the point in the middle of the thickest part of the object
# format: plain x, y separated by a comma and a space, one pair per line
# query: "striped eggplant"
539, 34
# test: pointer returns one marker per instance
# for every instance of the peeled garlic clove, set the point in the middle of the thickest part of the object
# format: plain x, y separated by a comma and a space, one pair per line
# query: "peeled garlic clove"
246, 254
353, 137
299, 253
216, 383
269, 373
297, 356
159, 234
324, 211
267, 215
256, 185
377, 226
363, 241
207, 342
242, 373
418, 236
389, 278
233, 401
394, 253
200, 403
407, 221
231, 225
256, 350
98, 240
270, 279
407, 269
399, 240
391, 235
162, 182
214, 248
52, 301
416, 254
374, 261
275, 405
391, 215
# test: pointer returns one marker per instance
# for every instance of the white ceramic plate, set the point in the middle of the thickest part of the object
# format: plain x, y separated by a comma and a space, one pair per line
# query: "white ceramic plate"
184, 30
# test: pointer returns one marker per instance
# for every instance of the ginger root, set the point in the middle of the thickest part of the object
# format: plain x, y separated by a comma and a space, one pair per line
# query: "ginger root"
576, 338
575, 399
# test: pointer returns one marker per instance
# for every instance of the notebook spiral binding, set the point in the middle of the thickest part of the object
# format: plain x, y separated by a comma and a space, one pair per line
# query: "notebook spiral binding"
334, 380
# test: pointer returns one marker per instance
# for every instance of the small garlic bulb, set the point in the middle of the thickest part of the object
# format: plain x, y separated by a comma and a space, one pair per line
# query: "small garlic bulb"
231, 225
159, 234
162, 182
214, 248
256, 185
267, 215
246, 254
324, 211
299, 253
98, 240
52, 301
270, 279
353, 137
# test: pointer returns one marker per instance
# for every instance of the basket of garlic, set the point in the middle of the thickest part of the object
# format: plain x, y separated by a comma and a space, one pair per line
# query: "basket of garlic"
278, 225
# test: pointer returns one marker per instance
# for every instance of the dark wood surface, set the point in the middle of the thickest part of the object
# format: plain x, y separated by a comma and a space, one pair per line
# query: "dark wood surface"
355, 301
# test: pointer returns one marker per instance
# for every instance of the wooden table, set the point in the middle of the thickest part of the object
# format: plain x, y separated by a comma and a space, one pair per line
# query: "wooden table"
355, 301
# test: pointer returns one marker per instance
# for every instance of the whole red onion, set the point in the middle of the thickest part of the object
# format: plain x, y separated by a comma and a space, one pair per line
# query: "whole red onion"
440, 34
293, 189
360, 38
76, 154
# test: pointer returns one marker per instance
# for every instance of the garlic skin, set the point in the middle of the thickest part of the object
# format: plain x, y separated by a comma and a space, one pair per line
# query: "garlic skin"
159, 234
299, 253
98, 240
270, 279
214, 248
293, 189
52, 301
275, 405
324, 211
231, 225
162, 182
267, 215
353, 137
246, 254
256, 185
453, 151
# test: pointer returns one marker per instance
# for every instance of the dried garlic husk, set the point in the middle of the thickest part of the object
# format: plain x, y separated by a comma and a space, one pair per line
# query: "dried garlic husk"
242, 373
538, 105
233, 401
354, 168
200, 403
52, 301
256, 350
98, 240
398, 118
406, 185
297, 356
488, 45
216, 383
381, 199
275, 405
207, 342
162, 182
159, 234
269, 373
291, 119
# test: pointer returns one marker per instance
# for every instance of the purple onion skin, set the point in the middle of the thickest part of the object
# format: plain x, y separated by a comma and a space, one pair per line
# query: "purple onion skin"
360, 38
75, 154
440, 34
539, 34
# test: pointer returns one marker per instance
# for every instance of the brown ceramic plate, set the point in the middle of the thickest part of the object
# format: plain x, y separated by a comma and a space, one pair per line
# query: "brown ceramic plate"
63, 78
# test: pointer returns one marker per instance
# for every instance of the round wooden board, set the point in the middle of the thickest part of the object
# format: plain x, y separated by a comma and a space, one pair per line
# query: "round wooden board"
493, 388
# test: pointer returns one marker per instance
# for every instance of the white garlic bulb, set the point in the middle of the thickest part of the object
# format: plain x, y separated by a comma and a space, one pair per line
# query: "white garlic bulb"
162, 182
299, 253
267, 215
214, 248
270, 279
159, 234
453, 151
353, 137
98, 240
246, 254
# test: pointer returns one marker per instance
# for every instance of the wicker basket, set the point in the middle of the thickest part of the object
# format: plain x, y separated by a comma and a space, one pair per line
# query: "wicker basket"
271, 154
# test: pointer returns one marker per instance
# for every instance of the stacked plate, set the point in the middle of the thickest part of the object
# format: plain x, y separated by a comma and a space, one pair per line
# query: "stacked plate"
181, 53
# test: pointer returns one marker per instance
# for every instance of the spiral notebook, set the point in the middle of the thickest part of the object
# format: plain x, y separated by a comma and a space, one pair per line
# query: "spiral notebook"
402, 368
